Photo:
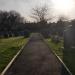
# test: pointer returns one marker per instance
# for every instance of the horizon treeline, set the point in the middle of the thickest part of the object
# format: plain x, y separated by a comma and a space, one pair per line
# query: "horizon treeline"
13, 24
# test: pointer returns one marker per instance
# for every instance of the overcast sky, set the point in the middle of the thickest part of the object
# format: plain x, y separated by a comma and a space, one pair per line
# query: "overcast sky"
24, 7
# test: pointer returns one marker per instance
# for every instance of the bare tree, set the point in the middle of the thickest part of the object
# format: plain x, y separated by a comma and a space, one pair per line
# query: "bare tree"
40, 14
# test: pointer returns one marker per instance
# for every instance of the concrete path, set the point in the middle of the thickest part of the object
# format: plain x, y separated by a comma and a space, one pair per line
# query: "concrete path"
36, 59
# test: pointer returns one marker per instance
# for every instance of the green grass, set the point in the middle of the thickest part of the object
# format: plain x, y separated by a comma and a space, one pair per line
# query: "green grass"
8, 48
56, 47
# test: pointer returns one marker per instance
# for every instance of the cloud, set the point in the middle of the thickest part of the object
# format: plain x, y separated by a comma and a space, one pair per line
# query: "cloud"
25, 6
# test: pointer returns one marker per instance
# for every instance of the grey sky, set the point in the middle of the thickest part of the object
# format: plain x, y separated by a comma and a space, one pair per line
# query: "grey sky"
24, 6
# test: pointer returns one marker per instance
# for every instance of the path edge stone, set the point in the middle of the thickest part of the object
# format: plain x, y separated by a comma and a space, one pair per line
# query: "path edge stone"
60, 60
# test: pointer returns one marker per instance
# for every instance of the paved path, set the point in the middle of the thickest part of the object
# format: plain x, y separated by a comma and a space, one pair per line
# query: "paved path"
36, 59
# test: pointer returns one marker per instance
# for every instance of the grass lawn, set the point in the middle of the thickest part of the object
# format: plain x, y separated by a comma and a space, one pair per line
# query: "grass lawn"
8, 48
56, 47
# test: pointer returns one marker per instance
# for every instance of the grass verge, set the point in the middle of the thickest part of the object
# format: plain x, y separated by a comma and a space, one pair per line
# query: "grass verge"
8, 48
67, 55
56, 47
